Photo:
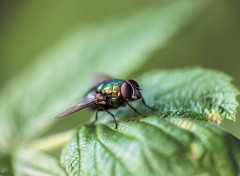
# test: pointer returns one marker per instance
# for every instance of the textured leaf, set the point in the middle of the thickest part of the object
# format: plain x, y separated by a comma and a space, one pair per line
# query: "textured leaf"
158, 147
195, 93
28, 162
153, 146
202, 91
60, 75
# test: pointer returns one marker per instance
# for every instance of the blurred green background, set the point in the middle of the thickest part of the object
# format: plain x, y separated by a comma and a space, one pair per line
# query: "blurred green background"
27, 28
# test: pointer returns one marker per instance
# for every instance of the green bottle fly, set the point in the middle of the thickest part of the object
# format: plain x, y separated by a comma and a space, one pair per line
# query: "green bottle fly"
109, 94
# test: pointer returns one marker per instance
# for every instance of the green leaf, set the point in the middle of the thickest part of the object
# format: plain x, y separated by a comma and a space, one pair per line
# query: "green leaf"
59, 77
5, 165
195, 93
32, 162
193, 90
153, 146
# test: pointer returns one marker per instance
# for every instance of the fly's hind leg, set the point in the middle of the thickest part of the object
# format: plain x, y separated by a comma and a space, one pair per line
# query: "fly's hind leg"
96, 116
113, 116
103, 109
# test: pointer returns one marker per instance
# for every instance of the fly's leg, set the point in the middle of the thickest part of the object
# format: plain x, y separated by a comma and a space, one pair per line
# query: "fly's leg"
96, 116
145, 104
135, 109
113, 116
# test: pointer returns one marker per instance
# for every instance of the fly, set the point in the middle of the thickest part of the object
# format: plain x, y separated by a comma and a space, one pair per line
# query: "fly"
109, 94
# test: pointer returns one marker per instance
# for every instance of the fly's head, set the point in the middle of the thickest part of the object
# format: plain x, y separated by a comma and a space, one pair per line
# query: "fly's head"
130, 90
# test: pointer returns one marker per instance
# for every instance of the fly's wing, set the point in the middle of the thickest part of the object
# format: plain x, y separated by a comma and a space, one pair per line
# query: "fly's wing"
77, 107
96, 79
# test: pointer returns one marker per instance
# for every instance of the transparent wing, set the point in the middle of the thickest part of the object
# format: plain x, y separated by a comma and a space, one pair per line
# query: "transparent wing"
79, 106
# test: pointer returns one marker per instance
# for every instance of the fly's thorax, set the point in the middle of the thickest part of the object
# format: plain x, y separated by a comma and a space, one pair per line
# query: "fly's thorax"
112, 91
110, 88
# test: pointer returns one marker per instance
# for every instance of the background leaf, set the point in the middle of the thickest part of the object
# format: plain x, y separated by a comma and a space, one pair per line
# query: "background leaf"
5, 165
195, 93
59, 76
31, 162
153, 146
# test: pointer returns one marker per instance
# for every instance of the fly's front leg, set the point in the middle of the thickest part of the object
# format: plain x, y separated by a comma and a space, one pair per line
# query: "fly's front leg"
144, 103
135, 109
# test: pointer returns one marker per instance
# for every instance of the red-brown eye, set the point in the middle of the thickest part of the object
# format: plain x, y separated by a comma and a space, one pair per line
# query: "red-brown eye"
126, 91
133, 83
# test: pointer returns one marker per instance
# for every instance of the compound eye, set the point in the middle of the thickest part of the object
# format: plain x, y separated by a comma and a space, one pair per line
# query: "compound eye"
126, 91
133, 83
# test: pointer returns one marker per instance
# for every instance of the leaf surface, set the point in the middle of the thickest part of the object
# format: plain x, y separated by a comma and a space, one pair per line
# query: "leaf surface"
153, 146
166, 143
32, 162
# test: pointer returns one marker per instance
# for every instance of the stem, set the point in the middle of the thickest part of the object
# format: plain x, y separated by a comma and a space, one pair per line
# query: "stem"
52, 142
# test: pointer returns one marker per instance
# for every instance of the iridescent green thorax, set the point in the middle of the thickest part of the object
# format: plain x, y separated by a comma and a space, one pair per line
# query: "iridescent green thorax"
111, 87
